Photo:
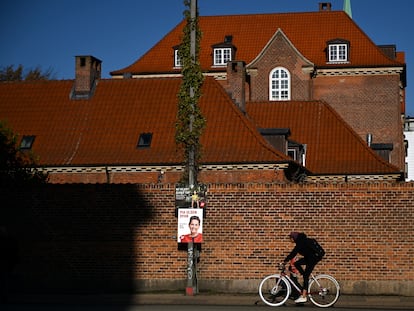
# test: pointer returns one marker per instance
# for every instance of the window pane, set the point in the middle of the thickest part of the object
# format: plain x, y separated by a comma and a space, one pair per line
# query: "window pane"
144, 140
342, 52
27, 142
217, 57
222, 56
279, 84
332, 53
338, 52
227, 55
177, 60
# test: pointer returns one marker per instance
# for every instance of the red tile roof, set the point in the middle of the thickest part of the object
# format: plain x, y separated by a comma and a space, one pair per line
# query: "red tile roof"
332, 146
104, 130
308, 32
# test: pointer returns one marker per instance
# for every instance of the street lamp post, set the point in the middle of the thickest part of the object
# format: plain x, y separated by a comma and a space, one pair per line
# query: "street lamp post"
192, 284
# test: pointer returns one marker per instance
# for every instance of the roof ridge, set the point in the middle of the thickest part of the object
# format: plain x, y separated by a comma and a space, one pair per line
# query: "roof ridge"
273, 13
253, 31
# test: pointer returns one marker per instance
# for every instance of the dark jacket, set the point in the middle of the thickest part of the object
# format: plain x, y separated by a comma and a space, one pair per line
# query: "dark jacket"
301, 248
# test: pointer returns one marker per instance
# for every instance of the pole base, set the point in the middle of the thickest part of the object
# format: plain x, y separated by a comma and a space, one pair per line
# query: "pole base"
189, 291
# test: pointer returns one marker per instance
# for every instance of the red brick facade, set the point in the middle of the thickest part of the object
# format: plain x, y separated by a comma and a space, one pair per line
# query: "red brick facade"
367, 104
279, 53
164, 177
123, 237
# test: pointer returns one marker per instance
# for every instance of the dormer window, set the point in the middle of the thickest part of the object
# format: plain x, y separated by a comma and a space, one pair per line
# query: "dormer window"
338, 51
223, 52
297, 152
222, 56
177, 59
27, 142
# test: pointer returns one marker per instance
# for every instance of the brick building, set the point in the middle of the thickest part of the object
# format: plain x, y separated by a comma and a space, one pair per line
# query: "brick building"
287, 98
279, 58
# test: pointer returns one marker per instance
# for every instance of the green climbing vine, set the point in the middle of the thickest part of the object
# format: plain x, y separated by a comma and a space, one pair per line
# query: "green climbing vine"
190, 122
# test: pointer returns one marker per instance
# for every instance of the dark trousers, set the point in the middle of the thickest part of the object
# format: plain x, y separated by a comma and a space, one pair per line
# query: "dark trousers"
310, 264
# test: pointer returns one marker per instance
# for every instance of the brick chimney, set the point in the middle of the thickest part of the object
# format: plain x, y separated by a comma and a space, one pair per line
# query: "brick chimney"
236, 79
87, 73
325, 6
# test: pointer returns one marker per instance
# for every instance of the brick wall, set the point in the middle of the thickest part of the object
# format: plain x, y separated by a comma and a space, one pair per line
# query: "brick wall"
369, 104
279, 53
205, 176
123, 237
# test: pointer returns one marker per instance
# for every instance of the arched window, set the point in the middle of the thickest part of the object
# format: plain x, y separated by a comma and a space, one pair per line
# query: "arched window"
279, 84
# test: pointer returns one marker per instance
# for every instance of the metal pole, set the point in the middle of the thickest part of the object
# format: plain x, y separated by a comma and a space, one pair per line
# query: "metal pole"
192, 257
190, 271
191, 261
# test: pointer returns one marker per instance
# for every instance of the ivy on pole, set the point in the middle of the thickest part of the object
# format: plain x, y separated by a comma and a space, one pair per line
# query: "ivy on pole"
190, 122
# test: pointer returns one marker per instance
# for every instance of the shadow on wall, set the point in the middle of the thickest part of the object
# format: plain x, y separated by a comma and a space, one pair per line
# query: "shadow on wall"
74, 238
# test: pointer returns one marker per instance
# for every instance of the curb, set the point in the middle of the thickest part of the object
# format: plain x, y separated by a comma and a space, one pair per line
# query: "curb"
345, 301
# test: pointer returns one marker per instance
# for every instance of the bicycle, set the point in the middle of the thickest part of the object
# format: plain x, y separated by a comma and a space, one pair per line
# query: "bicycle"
276, 289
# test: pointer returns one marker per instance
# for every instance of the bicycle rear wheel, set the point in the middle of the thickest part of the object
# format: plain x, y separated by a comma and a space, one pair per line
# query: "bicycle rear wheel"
323, 290
274, 290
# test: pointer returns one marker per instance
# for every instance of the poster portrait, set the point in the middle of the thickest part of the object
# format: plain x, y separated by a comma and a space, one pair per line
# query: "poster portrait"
190, 225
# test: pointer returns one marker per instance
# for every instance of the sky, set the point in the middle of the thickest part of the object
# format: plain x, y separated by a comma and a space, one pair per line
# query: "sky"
50, 33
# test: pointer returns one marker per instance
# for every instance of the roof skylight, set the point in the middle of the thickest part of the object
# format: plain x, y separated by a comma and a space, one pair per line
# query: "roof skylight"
144, 140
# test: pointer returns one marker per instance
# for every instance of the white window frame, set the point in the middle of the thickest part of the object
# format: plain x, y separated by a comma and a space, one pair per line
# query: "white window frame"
292, 152
279, 84
338, 52
222, 56
177, 59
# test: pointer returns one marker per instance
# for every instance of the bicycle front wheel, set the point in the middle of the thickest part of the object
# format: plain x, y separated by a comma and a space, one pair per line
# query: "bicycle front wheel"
323, 290
274, 290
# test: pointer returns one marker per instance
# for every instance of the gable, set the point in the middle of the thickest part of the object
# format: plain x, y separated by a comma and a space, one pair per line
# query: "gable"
279, 60
279, 46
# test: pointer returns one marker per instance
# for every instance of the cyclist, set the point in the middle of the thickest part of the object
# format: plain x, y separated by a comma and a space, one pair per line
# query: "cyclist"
309, 259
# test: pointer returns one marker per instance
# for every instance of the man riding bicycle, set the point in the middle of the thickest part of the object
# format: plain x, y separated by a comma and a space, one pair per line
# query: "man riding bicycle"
311, 256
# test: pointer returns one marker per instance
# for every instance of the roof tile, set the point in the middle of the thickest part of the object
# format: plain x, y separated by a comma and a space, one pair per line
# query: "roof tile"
104, 130
332, 146
252, 32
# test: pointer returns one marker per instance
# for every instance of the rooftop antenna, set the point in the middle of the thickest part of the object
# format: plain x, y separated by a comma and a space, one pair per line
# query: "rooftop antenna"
347, 7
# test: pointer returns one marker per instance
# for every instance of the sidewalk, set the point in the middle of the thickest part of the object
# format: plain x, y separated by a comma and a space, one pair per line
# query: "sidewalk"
345, 301
372, 302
